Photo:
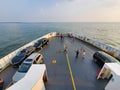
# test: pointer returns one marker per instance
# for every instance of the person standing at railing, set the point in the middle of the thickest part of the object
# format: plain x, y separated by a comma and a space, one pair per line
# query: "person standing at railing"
61, 36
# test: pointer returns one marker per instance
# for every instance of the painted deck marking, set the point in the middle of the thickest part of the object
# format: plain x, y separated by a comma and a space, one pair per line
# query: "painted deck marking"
4, 68
82, 46
9, 85
71, 74
54, 61
89, 49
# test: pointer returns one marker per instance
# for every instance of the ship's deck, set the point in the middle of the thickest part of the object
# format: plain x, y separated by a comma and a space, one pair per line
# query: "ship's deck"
83, 70
68, 72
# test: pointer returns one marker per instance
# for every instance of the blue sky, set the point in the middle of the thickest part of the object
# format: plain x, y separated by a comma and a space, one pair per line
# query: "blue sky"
59, 10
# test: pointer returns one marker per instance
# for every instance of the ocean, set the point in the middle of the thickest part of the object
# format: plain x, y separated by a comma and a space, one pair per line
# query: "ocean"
16, 34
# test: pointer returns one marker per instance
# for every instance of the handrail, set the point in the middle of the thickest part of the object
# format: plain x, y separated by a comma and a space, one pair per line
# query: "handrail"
108, 49
5, 61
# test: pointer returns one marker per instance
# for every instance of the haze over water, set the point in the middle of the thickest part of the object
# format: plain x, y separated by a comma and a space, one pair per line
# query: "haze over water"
15, 35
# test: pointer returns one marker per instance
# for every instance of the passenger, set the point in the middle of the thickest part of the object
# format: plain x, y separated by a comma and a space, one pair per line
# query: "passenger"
81, 50
83, 54
65, 49
61, 37
77, 53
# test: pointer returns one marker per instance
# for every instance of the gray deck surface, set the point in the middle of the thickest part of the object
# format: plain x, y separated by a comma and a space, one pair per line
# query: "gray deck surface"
7, 75
84, 71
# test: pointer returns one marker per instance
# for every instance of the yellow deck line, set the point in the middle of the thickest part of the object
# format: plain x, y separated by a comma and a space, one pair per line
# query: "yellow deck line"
9, 85
4, 67
71, 74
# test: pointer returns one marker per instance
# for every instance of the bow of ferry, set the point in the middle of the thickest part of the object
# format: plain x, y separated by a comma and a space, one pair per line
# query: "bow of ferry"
64, 70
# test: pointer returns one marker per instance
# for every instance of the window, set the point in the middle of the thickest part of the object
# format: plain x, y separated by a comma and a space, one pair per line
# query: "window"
24, 67
29, 60
38, 57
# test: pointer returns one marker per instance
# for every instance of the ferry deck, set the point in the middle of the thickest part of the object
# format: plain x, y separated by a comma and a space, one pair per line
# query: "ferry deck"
64, 70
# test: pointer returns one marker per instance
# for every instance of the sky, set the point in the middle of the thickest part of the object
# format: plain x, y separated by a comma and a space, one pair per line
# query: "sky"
59, 10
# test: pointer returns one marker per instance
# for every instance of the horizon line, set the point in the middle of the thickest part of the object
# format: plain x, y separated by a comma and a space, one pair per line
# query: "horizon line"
56, 22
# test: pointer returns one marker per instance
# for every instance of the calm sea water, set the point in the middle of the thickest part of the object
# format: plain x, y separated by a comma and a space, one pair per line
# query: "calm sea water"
15, 35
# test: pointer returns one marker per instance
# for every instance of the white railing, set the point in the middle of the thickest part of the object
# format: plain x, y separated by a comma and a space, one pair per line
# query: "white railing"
112, 51
7, 59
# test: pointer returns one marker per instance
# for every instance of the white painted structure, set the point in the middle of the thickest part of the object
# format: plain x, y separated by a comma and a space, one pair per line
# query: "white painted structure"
114, 70
33, 80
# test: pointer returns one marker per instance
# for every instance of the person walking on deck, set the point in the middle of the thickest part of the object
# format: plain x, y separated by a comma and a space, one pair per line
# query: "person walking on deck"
77, 53
83, 54
65, 49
